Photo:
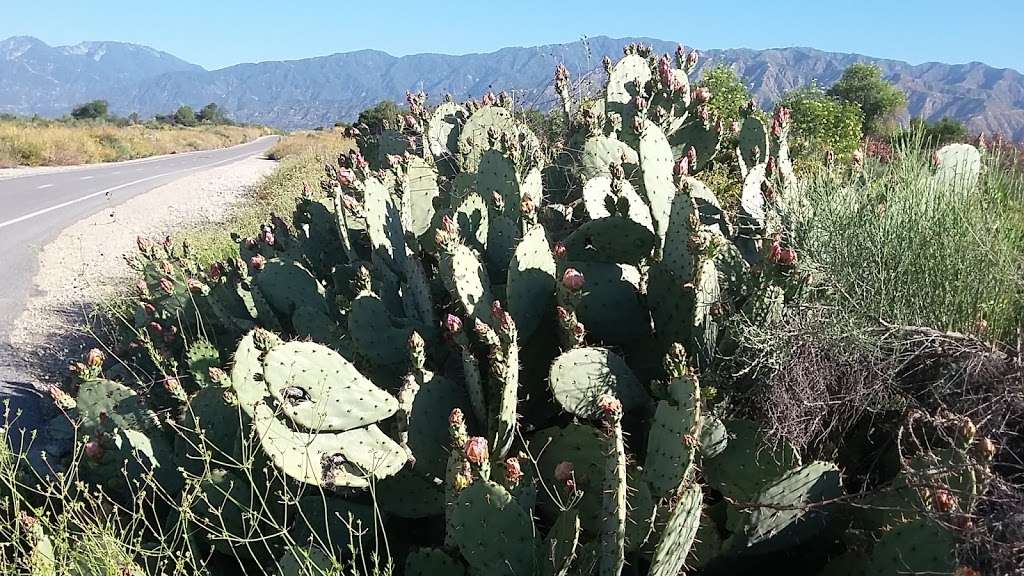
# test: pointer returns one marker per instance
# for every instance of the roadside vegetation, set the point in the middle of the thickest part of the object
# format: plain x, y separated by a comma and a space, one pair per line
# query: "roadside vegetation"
753, 366
91, 135
302, 156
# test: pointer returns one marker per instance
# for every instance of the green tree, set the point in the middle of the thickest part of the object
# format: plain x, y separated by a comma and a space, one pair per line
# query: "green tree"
185, 116
862, 84
94, 110
822, 122
728, 94
385, 112
212, 114
935, 134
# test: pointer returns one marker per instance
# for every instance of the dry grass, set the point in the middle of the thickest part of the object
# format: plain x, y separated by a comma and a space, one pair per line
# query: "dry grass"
302, 156
45, 143
321, 142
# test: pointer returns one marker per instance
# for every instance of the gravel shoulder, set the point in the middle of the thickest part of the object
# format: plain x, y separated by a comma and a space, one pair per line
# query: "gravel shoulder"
84, 264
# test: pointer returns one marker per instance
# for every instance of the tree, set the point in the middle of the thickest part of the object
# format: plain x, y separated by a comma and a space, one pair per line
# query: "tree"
212, 114
185, 116
91, 110
862, 84
384, 113
821, 121
728, 94
936, 134
134, 119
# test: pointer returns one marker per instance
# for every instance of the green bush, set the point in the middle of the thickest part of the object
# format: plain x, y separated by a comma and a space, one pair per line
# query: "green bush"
906, 247
95, 110
862, 84
820, 122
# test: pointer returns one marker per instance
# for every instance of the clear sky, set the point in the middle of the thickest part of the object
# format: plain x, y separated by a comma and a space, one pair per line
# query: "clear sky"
218, 33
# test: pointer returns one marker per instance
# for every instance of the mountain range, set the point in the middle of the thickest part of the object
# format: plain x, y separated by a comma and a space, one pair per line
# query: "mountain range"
49, 81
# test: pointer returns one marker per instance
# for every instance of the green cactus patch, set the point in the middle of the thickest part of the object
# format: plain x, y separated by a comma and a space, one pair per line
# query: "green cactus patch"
582, 375
494, 534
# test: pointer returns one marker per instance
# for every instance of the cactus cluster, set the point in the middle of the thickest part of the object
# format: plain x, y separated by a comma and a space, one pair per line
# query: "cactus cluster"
441, 328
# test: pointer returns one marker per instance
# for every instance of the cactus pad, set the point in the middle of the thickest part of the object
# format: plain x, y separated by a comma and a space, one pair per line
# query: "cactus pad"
678, 535
494, 534
432, 562
319, 390
582, 375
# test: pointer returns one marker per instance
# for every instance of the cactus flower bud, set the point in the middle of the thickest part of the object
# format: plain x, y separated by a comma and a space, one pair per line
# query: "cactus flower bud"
168, 242
665, 71
148, 309
144, 244
559, 250
573, 279
769, 168
346, 177
563, 471
702, 95
489, 99
691, 59
513, 472
476, 450
966, 571
680, 54
943, 501
258, 262
563, 314
564, 474
62, 399
141, 288
968, 430
215, 271
453, 324
173, 386
986, 449
170, 334
93, 450
456, 419
448, 225
95, 358
167, 285
156, 328
609, 405
194, 286
215, 374
681, 167
691, 155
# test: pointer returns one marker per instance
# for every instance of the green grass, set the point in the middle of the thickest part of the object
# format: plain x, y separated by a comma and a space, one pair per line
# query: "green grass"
907, 250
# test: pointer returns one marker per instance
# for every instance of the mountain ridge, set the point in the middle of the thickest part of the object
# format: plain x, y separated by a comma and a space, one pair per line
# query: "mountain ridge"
320, 90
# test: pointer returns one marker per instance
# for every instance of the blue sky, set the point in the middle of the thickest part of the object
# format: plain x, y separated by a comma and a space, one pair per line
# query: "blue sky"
218, 33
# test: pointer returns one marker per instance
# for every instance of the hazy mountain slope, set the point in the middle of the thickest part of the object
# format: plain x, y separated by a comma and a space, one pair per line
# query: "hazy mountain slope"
317, 91
39, 79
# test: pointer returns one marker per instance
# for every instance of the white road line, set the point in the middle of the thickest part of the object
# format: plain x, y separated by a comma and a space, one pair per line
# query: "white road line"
44, 186
116, 173
86, 177
114, 189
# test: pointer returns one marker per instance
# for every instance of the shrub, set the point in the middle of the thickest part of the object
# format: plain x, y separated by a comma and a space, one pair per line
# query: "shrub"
879, 101
912, 249
821, 122
95, 110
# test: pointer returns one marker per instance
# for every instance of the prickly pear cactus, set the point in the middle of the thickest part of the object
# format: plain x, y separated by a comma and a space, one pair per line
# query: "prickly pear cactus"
314, 413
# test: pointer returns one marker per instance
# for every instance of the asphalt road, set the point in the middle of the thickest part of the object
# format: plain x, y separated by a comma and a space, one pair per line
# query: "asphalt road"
37, 206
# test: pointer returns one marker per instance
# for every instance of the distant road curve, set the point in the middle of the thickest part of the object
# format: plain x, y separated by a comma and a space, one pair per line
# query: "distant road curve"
37, 204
